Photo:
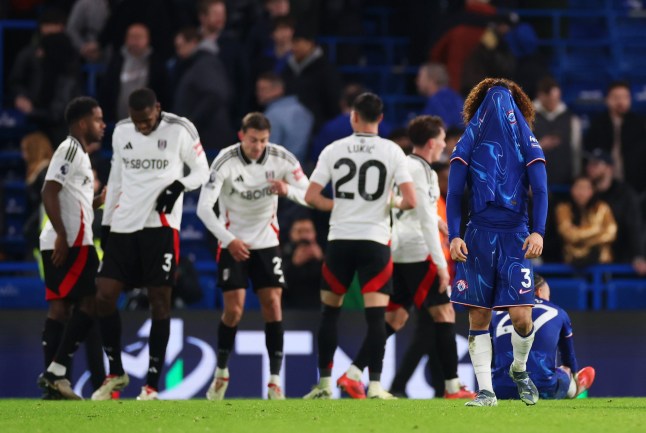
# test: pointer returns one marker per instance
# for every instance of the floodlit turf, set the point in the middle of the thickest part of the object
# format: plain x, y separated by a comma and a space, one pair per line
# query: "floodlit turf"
298, 416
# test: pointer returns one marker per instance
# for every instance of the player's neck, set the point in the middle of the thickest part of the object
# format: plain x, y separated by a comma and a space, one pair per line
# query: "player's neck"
79, 138
424, 152
366, 128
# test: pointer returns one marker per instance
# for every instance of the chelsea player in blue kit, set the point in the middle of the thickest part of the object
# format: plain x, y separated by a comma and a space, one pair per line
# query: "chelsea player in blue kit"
498, 158
553, 333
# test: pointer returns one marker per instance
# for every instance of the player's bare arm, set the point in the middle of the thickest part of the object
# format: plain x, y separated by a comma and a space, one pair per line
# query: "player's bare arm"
533, 246
444, 278
459, 250
409, 198
314, 198
52, 205
99, 199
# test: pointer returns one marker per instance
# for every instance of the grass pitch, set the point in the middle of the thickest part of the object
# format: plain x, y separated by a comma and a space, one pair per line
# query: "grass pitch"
299, 416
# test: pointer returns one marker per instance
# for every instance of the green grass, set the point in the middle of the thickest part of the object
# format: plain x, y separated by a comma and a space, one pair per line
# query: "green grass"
257, 416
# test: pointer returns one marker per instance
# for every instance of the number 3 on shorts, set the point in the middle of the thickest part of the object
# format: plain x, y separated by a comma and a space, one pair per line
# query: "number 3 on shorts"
278, 269
167, 262
527, 280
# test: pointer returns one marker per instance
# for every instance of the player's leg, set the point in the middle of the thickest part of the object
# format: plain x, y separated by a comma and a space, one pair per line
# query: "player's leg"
121, 262
474, 287
58, 311
272, 315
267, 277
159, 298
421, 344
396, 313
443, 314
338, 270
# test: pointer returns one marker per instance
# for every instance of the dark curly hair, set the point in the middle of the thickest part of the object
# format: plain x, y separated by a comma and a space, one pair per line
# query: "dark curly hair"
478, 93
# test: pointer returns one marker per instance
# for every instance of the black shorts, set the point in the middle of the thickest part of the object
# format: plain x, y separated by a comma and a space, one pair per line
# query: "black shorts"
264, 267
416, 284
73, 280
371, 261
145, 258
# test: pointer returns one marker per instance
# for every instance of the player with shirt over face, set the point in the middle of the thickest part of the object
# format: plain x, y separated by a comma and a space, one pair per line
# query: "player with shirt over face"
363, 168
553, 334
247, 178
70, 261
143, 213
499, 159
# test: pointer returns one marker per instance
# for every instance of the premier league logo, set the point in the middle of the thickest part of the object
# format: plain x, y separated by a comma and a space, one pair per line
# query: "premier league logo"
65, 168
161, 144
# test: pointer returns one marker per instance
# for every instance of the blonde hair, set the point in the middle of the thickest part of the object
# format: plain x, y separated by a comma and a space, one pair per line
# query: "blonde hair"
37, 152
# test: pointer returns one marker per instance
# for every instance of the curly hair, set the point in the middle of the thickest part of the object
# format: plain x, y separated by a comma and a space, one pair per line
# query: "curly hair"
478, 93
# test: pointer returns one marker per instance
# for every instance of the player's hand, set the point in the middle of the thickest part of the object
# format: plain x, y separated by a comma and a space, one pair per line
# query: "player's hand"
168, 197
278, 187
443, 226
443, 275
239, 250
458, 250
61, 250
534, 246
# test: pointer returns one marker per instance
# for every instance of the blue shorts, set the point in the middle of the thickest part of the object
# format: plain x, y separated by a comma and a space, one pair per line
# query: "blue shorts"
554, 389
496, 273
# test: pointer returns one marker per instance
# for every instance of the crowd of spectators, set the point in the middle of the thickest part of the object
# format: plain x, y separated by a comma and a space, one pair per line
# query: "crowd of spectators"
213, 61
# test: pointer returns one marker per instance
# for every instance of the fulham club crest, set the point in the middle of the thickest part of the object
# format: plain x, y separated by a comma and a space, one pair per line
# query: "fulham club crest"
161, 144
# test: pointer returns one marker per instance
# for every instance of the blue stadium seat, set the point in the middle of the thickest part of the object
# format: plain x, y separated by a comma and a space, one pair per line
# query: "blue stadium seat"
569, 294
22, 293
626, 295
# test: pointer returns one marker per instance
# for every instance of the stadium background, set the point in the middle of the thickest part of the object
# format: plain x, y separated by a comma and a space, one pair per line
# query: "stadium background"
586, 44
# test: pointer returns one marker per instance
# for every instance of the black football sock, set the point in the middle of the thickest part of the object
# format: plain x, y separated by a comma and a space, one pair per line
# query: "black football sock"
75, 333
226, 338
274, 342
157, 342
375, 340
111, 340
94, 356
51, 339
419, 346
447, 349
327, 339
363, 356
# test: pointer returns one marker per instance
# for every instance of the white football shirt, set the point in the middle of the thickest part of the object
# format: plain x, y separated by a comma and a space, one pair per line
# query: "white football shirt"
415, 231
70, 166
363, 169
144, 165
247, 206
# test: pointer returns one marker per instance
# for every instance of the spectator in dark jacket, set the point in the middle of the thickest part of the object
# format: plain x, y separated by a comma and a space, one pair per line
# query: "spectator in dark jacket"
432, 83
46, 76
310, 77
134, 66
202, 93
622, 134
623, 201
230, 50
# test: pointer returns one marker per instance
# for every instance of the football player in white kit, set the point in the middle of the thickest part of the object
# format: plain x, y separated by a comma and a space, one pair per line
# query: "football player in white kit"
247, 178
420, 274
70, 261
143, 212
363, 168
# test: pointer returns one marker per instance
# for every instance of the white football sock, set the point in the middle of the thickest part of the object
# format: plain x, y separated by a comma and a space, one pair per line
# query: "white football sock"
354, 373
222, 372
522, 346
275, 379
481, 353
452, 385
325, 382
57, 369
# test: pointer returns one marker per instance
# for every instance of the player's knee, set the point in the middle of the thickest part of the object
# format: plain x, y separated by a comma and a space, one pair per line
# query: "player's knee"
443, 313
232, 315
59, 311
271, 309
